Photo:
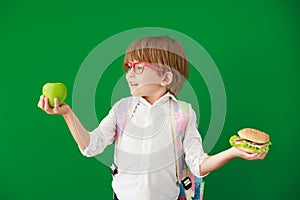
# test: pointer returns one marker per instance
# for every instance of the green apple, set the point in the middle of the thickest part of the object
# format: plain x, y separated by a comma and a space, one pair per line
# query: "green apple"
55, 90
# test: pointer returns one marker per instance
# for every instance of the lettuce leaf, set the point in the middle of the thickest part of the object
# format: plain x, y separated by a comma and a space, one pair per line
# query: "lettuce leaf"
247, 145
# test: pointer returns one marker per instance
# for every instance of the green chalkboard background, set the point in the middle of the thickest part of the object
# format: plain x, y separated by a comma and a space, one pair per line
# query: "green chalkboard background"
255, 44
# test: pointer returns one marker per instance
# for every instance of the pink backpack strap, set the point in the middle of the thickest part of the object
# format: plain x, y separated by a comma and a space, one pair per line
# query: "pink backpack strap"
181, 111
124, 111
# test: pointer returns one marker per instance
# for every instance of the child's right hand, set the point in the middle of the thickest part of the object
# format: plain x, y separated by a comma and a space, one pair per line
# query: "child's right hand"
60, 110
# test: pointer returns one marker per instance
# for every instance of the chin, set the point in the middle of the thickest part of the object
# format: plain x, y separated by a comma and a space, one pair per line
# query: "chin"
147, 90
137, 94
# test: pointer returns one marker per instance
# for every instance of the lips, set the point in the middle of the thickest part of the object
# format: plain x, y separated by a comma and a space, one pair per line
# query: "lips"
133, 84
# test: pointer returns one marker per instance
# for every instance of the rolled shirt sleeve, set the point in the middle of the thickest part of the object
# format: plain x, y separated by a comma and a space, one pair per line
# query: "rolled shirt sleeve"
192, 145
102, 136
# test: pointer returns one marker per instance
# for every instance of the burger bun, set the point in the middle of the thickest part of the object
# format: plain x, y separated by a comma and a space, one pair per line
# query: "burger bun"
254, 136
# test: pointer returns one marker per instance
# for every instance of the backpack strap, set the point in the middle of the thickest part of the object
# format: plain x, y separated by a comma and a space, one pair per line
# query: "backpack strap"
177, 145
181, 111
179, 119
124, 112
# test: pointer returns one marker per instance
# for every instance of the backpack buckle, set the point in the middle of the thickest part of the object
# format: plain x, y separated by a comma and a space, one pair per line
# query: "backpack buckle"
187, 183
113, 169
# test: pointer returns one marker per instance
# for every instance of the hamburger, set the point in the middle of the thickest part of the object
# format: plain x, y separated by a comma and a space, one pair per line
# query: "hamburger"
251, 140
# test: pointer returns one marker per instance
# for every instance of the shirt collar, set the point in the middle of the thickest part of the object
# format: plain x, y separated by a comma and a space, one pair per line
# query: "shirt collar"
161, 100
168, 94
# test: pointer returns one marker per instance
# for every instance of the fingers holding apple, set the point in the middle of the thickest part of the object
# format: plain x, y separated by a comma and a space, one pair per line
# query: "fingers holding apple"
53, 97
56, 107
46, 105
41, 102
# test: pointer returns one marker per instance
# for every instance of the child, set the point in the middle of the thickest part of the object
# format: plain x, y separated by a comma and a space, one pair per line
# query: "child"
145, 159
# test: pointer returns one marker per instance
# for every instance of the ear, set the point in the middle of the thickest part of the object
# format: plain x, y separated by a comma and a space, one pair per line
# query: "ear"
166, 79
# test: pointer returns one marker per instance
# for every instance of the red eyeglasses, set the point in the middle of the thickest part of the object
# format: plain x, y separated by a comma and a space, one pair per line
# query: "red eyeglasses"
138, 67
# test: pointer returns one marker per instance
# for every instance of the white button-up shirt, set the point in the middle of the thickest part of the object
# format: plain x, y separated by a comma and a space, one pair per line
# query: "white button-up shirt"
147, 150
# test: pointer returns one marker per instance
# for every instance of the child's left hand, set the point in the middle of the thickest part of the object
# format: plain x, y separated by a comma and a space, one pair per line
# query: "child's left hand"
248, 156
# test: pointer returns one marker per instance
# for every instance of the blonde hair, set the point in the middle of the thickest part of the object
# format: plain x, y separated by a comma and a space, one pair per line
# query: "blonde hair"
164, 52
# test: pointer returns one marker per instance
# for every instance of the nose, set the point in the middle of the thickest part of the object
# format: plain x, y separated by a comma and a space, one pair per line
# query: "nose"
130, 73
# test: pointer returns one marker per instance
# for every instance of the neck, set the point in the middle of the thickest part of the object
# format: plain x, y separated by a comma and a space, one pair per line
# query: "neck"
155, 95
